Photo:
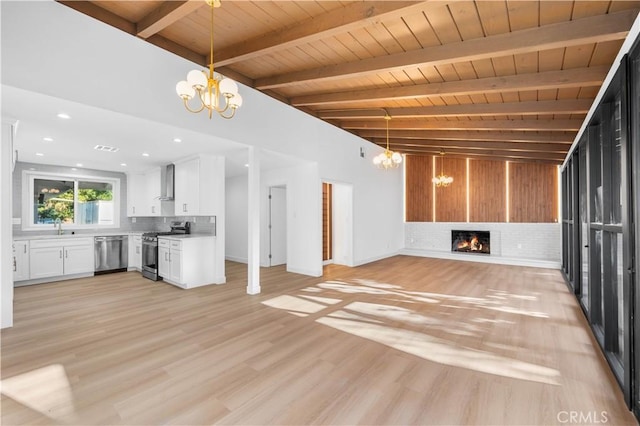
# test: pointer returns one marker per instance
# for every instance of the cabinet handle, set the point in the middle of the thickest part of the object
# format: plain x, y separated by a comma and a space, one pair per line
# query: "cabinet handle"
25, 248
134, 209
153, 209
184, 208
15, 266
169, 256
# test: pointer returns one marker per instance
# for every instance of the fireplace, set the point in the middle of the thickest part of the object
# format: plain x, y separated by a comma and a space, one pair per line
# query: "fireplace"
477, 242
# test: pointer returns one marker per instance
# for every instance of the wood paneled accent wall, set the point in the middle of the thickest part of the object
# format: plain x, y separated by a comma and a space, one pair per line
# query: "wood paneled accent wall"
533, 192
487, 191
532, 187
327, 211
419, 189
451, 201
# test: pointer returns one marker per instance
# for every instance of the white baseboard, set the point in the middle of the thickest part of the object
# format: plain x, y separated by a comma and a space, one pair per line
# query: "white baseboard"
52, 279
499, 260
308, 272
376, 258
236, 259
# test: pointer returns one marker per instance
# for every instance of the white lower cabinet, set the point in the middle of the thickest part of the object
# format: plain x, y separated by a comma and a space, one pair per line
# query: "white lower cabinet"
187, 262
50, 258
164, 266
135, 252
20, 260
79, 259
45, 262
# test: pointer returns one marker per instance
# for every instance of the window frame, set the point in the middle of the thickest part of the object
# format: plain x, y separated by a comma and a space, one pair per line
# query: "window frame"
28, 179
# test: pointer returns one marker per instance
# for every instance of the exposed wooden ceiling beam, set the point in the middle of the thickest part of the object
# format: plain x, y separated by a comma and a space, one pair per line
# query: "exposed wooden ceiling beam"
571, 106
577, 77
518, 136
594, 29
166, 14
476, 145
429, 153
90, 9
488, 155
338, 21
525, 125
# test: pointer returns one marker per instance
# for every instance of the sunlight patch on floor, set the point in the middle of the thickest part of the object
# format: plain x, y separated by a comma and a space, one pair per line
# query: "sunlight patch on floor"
46, 390
294, 304
385, 322
442, 352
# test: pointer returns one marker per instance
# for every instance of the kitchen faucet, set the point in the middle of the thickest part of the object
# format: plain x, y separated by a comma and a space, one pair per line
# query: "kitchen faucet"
58, 223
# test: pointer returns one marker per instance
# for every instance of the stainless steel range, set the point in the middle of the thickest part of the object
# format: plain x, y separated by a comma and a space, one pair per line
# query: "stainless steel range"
150, 248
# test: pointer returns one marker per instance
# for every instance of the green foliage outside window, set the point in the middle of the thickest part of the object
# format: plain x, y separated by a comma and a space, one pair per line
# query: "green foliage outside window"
61, 205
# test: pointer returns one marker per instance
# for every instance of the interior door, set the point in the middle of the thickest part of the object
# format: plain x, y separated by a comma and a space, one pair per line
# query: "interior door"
277, 226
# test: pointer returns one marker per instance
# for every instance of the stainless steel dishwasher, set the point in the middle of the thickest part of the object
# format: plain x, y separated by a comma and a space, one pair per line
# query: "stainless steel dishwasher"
111, 254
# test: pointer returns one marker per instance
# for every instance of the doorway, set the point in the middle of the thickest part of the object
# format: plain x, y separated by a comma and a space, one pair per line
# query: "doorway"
277, 225
327, 223
337, 223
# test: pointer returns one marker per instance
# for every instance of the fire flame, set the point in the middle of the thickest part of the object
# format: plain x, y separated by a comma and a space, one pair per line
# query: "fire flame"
473, 245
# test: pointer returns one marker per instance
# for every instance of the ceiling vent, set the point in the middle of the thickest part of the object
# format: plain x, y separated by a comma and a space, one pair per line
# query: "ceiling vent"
106, 148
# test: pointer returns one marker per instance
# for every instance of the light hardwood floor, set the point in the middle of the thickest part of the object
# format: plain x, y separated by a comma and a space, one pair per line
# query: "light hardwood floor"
405, 340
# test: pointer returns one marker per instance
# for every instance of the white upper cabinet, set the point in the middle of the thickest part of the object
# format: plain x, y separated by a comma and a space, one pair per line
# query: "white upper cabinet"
152, 195
199, 186
143, 194
135, 193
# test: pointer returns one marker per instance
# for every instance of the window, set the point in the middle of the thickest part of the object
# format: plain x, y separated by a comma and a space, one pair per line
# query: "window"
75, 202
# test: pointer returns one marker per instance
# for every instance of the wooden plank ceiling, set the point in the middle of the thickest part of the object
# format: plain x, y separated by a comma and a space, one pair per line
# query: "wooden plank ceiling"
480, 79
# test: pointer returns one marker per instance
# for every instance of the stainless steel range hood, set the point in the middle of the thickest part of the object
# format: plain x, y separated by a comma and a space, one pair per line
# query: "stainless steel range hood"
167, 180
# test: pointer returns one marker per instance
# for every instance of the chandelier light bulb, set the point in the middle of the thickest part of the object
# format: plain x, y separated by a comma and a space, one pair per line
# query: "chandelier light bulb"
197, 79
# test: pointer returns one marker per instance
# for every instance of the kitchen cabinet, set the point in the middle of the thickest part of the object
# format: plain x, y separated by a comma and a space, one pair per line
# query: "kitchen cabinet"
135, 252
187, 262
50, 258
170, 261
78, 259
20, 260
199, 186
143, 194
152, 193
164, 259
135, 194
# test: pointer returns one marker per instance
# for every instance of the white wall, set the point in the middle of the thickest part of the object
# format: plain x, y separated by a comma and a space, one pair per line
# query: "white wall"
527, 244
46, 48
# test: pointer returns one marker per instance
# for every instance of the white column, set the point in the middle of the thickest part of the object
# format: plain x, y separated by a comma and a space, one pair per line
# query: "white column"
6, 232
253, 226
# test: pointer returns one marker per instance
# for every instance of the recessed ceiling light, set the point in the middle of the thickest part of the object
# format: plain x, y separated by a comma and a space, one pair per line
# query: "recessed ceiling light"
74, 169
47, 139
144, 154
177, 140
246, 165
39, 154
64, 116
123, 164
32, 168
78, 164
